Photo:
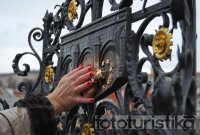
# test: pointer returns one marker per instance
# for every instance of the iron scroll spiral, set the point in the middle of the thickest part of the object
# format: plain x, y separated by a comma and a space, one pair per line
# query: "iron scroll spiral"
37, 35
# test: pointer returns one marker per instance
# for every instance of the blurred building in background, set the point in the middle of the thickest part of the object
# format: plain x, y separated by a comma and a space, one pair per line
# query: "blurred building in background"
8, 86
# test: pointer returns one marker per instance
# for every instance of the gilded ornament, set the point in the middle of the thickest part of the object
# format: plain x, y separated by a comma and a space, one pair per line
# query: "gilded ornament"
161, 44
49, 73
87, 129
72, 10
98, 76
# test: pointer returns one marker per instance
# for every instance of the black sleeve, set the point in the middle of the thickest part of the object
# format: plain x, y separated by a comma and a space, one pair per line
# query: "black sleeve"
41, 113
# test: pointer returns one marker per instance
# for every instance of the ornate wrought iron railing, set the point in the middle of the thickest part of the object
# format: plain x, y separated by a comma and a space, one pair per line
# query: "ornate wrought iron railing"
112, 47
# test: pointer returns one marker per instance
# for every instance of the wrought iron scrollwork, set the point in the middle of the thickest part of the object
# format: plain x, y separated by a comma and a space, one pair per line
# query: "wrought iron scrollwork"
37, 35
122, 4
84, 8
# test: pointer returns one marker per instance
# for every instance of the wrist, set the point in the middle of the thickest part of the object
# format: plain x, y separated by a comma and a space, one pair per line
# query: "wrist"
56, 106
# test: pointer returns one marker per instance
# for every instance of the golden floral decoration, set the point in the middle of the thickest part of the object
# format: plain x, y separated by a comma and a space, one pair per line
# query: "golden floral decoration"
161, 44
49, 73
87, 129
72, 10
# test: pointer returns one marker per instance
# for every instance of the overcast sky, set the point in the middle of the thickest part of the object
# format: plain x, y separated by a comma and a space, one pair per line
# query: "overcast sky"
18, 17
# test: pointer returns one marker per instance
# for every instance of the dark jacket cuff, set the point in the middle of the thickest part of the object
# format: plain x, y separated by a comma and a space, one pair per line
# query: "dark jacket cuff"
41, 113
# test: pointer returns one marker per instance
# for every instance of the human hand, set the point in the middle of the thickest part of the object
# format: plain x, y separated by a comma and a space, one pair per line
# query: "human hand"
68, 92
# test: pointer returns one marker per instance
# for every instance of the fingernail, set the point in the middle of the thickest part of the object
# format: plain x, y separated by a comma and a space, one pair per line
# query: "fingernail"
92, 100
88, 83
91, 75
90, 68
